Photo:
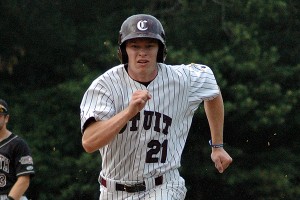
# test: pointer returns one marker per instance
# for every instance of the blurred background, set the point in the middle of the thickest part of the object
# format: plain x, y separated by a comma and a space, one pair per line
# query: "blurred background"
50, 51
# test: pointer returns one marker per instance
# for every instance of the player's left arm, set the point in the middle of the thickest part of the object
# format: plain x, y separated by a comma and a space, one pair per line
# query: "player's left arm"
214, 110
20, 187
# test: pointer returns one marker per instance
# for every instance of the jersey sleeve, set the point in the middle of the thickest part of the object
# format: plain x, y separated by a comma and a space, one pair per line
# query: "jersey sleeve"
23, 159
203, 83
96, 103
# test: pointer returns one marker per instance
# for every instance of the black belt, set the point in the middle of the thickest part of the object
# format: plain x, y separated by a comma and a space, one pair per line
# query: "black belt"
139, 187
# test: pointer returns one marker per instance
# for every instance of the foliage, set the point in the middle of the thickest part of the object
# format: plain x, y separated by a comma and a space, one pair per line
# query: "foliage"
51, 51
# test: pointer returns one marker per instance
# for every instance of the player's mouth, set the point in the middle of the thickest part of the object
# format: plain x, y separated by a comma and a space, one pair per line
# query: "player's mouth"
143, 61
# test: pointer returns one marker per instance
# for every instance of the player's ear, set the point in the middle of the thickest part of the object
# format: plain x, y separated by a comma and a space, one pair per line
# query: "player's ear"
6, 118
122, 54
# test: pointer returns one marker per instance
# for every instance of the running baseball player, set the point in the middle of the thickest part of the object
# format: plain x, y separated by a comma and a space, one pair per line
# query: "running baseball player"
16, 167
138, 115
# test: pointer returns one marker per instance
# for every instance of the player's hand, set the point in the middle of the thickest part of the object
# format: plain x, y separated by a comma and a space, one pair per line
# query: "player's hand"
138, 100
221, 159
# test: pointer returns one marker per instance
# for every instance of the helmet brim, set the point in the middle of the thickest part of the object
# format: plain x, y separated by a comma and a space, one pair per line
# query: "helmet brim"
142, 35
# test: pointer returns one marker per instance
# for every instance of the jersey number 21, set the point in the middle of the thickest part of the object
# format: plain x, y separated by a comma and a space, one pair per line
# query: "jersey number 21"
155, 147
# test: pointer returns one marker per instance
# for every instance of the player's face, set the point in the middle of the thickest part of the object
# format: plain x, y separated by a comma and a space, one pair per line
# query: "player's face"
142, 54
3, 121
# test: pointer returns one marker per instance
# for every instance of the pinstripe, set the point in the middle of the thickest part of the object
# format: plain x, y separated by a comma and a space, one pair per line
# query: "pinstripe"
176, 93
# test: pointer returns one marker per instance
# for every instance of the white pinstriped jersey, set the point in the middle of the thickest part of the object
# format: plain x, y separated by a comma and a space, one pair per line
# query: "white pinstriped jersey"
152, 142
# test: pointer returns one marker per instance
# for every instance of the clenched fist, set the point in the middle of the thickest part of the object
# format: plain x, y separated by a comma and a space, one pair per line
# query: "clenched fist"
138, 100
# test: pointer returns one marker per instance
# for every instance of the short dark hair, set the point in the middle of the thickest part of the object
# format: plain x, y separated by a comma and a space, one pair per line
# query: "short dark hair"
3, 107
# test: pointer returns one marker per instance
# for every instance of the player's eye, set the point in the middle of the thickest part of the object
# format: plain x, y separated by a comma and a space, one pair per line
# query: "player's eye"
149, 46
134, 46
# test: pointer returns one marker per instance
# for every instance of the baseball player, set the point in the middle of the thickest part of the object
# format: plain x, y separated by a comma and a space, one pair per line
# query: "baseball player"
138, 115
16, 165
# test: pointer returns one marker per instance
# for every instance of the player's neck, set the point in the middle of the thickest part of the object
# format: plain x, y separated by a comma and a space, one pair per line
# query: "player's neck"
142, 77
4, 134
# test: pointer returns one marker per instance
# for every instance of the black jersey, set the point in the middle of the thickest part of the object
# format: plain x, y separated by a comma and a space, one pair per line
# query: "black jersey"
15, 160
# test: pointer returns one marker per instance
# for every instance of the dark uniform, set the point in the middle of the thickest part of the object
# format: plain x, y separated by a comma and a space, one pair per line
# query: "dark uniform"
15, 160
15, 157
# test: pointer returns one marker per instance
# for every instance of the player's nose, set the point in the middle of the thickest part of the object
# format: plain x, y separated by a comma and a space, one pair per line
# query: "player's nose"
142, 51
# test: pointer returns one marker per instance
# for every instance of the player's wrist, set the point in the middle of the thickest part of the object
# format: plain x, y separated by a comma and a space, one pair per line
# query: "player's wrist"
10, 198
215, 145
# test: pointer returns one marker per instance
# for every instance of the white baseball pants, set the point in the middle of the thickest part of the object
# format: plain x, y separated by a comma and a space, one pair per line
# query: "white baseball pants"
172, 188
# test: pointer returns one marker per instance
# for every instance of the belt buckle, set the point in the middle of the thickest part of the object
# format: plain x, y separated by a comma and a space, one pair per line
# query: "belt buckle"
134, 188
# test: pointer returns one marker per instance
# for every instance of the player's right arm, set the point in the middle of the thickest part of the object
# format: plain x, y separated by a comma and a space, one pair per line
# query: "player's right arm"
100, 133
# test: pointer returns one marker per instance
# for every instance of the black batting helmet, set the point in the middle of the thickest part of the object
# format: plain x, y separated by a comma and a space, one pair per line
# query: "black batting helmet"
142, 26
3, 107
